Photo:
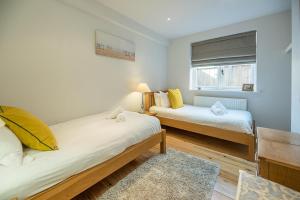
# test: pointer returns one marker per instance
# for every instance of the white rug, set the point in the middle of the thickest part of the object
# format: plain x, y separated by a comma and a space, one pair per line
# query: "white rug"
175, 175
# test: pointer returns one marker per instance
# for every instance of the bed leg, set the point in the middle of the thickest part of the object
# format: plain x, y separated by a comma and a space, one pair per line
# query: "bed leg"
163, 143
251, 149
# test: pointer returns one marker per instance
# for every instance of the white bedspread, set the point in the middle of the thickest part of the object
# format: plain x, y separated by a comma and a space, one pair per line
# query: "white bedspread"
235, 120
83, 143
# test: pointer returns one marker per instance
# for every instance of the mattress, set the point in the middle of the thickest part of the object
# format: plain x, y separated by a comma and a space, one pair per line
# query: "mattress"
234, 120
83, 143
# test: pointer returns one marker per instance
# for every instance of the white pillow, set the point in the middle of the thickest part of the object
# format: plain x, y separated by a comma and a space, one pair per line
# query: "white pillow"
157, 99
218, 108
164, 99
11, 151
2, 123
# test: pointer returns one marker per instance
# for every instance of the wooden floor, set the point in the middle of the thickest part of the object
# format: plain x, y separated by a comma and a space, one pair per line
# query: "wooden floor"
230, 160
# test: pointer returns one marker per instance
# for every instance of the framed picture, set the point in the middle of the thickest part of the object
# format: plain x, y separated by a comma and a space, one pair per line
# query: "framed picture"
248, 87
114, 46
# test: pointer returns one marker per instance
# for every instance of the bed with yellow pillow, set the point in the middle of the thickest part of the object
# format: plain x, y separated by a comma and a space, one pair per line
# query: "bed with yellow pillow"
234, 124
54, 154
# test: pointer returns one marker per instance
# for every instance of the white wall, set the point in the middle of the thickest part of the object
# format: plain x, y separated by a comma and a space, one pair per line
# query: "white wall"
271, 106
295, 66
48, 63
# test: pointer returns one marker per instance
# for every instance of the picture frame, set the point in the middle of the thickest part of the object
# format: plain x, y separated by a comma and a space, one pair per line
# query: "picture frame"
248, 87
114, 46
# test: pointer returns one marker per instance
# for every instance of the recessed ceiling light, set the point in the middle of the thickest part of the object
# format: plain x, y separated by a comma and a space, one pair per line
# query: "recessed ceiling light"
168, 19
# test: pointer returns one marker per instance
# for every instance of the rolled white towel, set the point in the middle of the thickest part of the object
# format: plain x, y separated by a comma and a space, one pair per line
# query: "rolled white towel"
115, 112
121, 117
218, 108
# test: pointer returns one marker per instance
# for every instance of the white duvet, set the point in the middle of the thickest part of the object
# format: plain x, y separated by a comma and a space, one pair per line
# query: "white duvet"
83, 143
235, 120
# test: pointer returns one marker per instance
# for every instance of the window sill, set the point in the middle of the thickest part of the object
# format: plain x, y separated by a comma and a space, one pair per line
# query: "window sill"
225, 91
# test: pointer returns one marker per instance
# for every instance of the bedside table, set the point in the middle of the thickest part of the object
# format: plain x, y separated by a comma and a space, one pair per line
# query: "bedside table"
279, 156
150, 113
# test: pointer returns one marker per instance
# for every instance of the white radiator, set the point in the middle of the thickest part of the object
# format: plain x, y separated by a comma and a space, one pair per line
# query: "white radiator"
230, 103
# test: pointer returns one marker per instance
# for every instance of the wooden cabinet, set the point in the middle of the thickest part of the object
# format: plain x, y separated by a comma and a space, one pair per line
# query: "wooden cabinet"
279, 157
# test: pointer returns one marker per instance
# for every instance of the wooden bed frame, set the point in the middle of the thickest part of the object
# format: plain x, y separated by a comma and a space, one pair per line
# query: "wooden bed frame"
76, 184
233, 136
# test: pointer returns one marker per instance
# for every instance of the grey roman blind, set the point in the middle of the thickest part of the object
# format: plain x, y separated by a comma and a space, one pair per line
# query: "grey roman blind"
233, 49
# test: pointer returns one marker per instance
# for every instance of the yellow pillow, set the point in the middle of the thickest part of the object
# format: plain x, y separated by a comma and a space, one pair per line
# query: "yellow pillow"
175, 98
31, 131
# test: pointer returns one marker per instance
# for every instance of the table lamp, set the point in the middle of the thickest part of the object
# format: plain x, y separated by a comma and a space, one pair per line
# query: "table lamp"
142, 88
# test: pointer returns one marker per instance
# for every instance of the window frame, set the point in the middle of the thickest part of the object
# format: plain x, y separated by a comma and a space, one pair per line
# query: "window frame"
206, 87
220, 83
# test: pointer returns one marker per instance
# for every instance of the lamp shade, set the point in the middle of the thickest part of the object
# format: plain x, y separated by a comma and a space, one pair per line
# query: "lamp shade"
143, 87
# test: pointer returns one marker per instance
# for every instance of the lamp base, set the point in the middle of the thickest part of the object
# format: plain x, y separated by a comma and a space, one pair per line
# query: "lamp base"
142, 111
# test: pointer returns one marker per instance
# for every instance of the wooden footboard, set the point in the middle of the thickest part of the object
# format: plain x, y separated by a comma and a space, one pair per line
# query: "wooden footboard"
76, 184
233, 136
251, 148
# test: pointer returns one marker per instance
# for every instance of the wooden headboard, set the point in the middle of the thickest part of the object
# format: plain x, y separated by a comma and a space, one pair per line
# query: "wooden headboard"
149, 100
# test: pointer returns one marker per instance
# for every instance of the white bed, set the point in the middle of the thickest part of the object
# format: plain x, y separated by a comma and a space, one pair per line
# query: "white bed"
234, 120
83, 143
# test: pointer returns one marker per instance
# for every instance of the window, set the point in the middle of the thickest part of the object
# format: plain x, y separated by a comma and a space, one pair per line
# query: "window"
224, 63
226, 77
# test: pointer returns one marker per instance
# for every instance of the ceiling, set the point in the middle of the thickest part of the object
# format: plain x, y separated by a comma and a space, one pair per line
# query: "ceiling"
191, 16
